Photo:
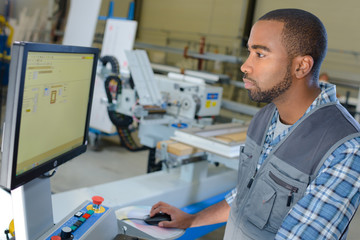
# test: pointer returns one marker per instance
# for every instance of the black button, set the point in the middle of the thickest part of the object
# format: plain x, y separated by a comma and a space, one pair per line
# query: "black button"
65, 233
78, 223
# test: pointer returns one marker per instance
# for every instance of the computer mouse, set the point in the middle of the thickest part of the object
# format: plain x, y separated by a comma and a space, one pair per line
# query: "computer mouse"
159, 217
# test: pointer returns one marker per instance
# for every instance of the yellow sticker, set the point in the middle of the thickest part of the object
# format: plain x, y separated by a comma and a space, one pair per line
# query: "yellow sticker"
101, 210
208, 104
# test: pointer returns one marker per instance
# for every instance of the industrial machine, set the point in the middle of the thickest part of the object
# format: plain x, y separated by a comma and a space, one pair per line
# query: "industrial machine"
159, 99
184, 100
159, 104
90, 221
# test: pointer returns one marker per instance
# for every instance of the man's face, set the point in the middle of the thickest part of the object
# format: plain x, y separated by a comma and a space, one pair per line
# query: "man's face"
267, 71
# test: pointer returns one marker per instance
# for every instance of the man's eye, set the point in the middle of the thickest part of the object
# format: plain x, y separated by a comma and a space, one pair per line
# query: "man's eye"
260, 55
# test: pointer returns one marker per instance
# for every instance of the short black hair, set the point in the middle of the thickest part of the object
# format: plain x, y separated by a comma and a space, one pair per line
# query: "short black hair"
303, 34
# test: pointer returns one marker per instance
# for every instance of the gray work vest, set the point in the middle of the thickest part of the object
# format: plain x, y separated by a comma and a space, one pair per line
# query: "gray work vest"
265, 197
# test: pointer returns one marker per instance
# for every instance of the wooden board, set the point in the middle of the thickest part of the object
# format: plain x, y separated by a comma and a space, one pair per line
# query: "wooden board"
232, 137
177, 148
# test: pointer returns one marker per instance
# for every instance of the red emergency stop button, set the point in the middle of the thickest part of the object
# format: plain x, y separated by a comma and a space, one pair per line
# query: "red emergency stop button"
97, 200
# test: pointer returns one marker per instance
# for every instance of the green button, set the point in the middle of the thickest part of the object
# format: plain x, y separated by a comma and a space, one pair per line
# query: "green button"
91, 212
73, 228
82, 219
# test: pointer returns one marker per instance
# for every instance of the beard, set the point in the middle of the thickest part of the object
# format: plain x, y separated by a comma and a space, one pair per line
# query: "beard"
268, 96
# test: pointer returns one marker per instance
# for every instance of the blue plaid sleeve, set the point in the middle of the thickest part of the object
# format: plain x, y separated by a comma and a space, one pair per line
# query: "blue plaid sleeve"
330, 200
231, 196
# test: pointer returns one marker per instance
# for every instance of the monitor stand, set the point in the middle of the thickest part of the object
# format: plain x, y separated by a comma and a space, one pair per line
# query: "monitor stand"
32, 209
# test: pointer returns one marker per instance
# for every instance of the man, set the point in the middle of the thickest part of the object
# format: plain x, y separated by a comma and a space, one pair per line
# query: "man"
299, 172
324, 77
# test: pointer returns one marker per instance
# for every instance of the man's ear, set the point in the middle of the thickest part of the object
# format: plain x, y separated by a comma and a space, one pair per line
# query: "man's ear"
303, 65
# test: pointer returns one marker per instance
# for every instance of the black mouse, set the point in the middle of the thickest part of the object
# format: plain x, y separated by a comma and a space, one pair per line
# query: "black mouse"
159, 217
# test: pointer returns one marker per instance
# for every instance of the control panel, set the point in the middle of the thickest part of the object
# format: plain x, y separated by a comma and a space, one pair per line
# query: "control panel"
91, 220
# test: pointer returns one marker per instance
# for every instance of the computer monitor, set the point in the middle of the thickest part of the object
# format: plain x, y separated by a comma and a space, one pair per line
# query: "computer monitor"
47, 110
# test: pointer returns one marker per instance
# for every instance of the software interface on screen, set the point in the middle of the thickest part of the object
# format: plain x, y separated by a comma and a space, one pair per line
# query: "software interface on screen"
53, 115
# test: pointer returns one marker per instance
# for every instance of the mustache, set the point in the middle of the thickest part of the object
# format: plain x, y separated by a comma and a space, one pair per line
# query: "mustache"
245, 76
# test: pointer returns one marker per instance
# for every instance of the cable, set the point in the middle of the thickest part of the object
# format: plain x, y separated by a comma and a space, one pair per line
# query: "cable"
127, 140
118, 119
125, 219
113, 88
115, 68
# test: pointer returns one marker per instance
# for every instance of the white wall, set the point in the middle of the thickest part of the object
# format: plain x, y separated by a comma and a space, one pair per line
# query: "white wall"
180, 23
220, 21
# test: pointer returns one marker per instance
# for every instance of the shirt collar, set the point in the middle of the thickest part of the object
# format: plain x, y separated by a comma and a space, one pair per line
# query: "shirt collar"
327, 94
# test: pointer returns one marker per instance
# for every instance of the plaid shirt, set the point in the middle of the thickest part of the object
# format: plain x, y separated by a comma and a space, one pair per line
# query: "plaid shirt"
331, 199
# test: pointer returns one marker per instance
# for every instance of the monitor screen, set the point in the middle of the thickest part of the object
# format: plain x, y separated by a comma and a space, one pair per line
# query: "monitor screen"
47, 111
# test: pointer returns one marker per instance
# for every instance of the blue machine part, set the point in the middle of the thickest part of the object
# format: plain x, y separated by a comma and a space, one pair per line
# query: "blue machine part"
179, 125
212, 96
130, 15
4, 64
131, 12
80, 223
164, 105
196, 232
98, 132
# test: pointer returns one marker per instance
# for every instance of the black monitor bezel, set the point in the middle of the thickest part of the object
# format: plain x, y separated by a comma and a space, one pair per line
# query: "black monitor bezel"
38, 171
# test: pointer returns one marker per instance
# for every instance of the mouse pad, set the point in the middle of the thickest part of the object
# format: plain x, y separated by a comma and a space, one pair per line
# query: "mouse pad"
141, 212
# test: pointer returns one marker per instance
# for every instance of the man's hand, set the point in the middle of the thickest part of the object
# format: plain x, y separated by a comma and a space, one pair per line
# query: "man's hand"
179, 218
216, 213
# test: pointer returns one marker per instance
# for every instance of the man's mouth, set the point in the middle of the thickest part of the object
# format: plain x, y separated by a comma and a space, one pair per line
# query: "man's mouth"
248, 83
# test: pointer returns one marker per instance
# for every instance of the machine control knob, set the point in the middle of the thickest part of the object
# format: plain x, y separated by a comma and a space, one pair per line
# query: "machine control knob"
55, 238
97, 200
66, 233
